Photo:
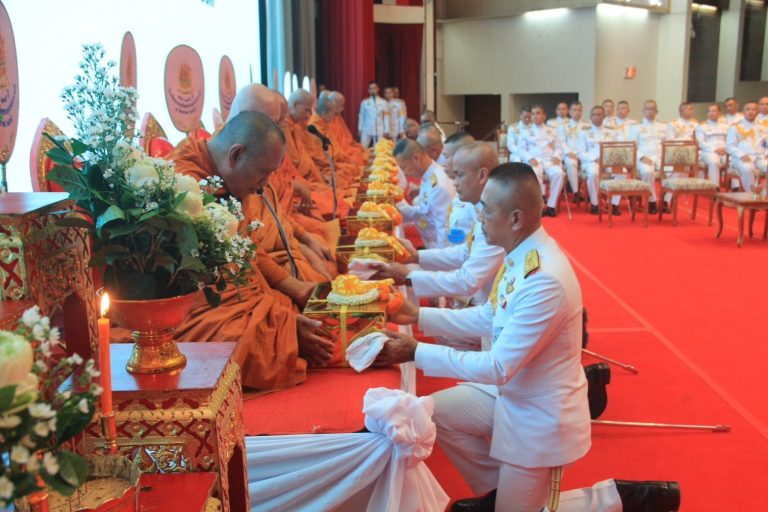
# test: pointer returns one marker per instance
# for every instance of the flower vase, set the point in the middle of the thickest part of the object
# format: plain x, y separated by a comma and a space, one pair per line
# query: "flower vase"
153, 323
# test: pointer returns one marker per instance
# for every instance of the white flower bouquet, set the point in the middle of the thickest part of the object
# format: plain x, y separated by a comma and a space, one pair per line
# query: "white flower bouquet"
156, 234
39, 413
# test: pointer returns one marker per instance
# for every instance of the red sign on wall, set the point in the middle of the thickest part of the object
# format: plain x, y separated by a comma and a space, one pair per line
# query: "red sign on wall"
9, 87
227, 86
184, 88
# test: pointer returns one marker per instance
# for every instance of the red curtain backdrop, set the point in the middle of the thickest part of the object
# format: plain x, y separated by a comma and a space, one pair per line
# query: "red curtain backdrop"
398, 61
346, 51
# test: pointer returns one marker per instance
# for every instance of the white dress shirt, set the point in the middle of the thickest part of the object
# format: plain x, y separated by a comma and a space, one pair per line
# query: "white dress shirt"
711, 135
648, 135
429, 211
542, 414
682, 129
745, 138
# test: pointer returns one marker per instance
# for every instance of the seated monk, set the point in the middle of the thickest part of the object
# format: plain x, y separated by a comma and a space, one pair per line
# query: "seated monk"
340, 129
300, 105
347, 171
274, 342
301, 253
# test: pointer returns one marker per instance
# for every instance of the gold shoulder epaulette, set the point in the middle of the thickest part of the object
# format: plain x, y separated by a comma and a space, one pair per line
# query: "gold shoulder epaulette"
532, 263
433, 180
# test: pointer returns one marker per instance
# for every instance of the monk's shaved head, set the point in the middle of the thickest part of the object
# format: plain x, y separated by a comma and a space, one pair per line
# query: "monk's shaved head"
300, 105
325, 104
300, 96
246, 151
256, 98
407, 148
283, 107
411, 128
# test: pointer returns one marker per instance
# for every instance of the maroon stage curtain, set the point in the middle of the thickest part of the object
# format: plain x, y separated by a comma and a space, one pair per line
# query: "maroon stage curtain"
398, 61
346, 51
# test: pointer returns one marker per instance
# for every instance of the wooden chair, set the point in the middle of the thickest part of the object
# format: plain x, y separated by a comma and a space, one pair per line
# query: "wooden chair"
619, 160
683, 157
153, 138
39, 163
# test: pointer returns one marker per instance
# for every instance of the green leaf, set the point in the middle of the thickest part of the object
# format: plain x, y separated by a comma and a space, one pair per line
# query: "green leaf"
221, 285
108, 254
188, 240
72, 468
6, 396
74, 222
121, 230
213, 298
70, 420
78, 148
148, 215
71, 180
59, 156
58, 484
112, 213
191, 263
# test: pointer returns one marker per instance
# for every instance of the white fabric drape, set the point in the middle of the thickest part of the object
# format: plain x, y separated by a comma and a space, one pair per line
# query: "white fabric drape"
378, 471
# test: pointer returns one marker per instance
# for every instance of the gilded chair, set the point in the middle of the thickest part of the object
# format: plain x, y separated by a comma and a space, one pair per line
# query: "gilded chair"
682, 156
617, 175
153, 138
39, 163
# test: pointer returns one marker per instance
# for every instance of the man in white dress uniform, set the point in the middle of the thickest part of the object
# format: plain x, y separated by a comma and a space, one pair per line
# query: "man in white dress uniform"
525, 413
747, 144
429, 211
711, 135
539, 149
373, 119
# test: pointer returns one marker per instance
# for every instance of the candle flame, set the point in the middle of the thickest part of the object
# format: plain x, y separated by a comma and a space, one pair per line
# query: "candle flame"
104, 304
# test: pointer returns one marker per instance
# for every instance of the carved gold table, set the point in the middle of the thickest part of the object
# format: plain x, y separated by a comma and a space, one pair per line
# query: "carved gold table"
742, 201
188, 421
45, 264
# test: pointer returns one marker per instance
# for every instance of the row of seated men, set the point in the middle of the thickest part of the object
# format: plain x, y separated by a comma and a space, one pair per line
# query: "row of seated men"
261, 154
562, 146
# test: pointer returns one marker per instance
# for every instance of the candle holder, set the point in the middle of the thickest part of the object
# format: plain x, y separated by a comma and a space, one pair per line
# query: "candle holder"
109, 430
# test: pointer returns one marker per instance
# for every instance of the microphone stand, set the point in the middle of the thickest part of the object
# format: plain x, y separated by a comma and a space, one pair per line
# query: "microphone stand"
332, 163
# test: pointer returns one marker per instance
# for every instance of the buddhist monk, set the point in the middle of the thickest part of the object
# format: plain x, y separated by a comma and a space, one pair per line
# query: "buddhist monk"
410, 129
340, 129
430, 140
299, 252
347, 170
274, 342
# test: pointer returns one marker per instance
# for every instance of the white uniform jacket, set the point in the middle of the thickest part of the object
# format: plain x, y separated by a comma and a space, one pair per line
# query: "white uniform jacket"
733, 118
648, 135
373, 119
514, 138
620, 126
466, 269
429, 211
542, 415
568, 135
397, 116
745, 138
589, 142
711, 135
682, 129
539, 143
462, 215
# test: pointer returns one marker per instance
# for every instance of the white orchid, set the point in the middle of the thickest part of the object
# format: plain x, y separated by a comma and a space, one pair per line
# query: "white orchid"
16, 358
50, 463
19, 454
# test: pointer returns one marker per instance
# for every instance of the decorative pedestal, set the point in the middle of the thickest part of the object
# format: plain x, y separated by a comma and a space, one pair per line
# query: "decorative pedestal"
186, 421
190, 492
45, 264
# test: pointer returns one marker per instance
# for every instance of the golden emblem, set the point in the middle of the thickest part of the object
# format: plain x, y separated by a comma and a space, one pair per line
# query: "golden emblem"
511, 286
532, 263
185, 77
433, 180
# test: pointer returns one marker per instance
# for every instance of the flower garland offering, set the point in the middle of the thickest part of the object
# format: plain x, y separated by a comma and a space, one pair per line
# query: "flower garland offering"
156, 234
349, 290
380, 188
39, 413
371, 210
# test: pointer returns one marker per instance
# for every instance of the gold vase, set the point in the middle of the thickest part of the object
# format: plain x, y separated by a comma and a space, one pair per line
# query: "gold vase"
153, 323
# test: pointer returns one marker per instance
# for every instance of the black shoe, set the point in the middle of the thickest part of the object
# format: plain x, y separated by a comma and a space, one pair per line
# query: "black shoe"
615, 210
652, 208
598, 377
648, 496
550, 212
584, 332
735, 189
666, 208
593, 210
485, 503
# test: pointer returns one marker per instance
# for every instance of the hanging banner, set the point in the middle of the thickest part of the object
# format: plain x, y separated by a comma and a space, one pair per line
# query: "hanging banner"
9, 88
227, 86
184, 88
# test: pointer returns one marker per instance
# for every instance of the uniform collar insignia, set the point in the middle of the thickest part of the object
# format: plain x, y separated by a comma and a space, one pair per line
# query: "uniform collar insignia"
511, 286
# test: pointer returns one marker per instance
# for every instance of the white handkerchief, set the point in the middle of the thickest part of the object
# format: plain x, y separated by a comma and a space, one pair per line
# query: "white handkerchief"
363, 351
363, 267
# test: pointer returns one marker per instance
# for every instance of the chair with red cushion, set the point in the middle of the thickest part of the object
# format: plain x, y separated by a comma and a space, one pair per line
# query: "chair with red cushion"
153, 138
39, 163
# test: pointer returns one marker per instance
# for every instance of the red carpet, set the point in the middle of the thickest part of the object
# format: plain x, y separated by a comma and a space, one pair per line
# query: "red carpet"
689, 311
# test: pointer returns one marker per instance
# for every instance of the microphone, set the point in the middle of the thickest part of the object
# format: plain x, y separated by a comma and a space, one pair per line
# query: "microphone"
314, 131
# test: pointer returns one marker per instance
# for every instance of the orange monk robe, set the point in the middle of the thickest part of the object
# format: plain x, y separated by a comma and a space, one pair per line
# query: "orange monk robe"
261, 320
350, 146
282, 182
347, 173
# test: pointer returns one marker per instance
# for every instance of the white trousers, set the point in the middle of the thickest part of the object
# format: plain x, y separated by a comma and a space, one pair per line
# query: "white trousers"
749, 172
712, 161
556, 179
464, 419
367, 140
572, 172
648, 174
593, 183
